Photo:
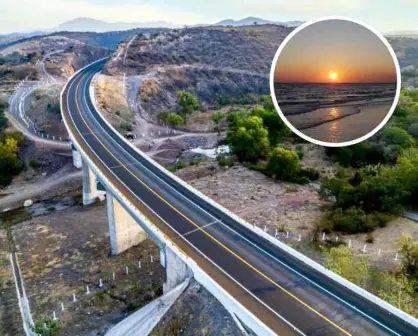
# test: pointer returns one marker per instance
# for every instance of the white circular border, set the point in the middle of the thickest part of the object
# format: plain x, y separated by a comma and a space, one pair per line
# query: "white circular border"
346, 143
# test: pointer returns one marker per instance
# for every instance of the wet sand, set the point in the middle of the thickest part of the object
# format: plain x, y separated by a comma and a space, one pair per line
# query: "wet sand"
350, 127
321, 116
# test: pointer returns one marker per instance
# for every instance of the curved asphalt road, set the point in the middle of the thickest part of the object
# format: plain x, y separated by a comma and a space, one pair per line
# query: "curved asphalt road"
287, 295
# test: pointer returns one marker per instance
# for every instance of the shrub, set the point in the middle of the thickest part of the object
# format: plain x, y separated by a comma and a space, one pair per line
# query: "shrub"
186, 102
413, 129
125, 127
162, 117
397, 136
301, 180
34, 164
247, 137
258, 167
400, 112
352, 220
15, 135
283, 164
224, 161
174, 120
176, 166
370, 238
54, 108
52, 327
311, 173
357, 155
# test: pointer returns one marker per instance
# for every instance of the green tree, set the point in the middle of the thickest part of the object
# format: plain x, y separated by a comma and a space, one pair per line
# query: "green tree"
162, 117
393, 140
399, 292
340, 260
174, 120
283, 163
396, 289
216, 118
9, 162
16, 135
397, 136
268, 103
248, 138
273, 123
408, 248
187, 102
400, 112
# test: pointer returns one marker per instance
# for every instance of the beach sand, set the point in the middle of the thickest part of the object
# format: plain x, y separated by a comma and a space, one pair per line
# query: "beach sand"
351, 127
321, 116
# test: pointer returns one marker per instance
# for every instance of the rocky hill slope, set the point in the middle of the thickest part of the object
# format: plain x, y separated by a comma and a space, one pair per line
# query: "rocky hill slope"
212, 62
108, 39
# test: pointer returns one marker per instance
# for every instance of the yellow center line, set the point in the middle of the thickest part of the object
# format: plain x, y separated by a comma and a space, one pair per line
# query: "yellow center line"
202, 230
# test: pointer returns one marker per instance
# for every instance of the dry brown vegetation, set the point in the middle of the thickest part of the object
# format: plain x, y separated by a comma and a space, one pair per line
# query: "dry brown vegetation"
211, 62
59, 256
110, 99
44, 110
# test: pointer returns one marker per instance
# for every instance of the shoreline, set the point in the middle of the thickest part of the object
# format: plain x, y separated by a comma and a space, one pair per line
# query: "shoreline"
302, 108
355, 109
350, 127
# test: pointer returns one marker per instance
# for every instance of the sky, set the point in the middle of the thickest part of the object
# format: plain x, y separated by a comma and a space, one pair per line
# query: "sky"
335, 51
29, 15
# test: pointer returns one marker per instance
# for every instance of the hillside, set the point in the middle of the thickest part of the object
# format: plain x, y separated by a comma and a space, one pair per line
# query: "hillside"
212, 62
108, 39
406, 49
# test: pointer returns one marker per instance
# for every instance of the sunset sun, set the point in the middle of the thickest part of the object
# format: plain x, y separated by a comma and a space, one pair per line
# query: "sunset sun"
333, 76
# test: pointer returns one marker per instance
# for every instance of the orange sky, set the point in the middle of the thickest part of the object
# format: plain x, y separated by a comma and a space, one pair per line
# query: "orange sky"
346, 48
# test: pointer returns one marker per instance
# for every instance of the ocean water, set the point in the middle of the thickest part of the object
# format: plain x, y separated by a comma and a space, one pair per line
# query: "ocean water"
320, 110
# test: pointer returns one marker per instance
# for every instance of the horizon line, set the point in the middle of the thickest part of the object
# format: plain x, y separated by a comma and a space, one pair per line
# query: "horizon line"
394, 82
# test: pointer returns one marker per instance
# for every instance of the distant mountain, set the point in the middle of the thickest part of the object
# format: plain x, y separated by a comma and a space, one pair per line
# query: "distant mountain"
12, 37
406, 33
254, 20
92, 25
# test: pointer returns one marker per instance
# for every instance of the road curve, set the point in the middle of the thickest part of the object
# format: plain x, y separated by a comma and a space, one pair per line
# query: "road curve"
288, 296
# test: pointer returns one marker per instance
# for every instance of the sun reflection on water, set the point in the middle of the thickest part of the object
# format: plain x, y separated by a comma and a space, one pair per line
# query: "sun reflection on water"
334, 131
334, 112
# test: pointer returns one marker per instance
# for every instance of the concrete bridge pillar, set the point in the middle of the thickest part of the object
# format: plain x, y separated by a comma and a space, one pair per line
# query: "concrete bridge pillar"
125, 232
77, 161
90, 191
177, 270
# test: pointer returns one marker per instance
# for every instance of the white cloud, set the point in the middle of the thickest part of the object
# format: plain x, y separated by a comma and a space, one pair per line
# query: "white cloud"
21, 15
304, 6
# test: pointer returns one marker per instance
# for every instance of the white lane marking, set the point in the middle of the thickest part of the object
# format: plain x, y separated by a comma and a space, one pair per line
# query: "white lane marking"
187, 241
197, 229
265, 252
91, 133
124, 165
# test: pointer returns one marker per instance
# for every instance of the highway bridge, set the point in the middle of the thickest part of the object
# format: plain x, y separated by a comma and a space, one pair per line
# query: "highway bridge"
270, 288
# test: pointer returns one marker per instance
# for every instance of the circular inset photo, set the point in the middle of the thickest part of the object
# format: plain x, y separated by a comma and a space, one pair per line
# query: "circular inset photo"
335, 82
